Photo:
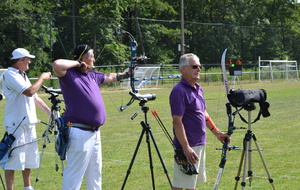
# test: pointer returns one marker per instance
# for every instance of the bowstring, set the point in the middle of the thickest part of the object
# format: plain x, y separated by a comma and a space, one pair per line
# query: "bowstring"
120, 42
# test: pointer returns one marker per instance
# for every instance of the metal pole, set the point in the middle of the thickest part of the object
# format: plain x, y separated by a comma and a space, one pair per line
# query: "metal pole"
182, 28
51, 44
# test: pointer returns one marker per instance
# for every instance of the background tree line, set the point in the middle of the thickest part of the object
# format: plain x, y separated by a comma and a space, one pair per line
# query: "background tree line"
247, 28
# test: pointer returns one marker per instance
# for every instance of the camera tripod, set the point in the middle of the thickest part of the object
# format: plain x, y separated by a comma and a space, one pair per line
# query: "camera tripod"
148, 132
55, 113
247, 154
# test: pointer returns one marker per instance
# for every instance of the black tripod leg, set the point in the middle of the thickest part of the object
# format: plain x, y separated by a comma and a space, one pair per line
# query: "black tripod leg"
2, 182
263, 161
158, 153
133, 158
147, 128
237, 178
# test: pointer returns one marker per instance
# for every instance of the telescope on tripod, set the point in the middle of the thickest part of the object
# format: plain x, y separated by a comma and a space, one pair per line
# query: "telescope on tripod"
246, 99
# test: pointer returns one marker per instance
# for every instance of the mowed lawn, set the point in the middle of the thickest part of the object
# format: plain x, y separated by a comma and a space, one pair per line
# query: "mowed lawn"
277, 136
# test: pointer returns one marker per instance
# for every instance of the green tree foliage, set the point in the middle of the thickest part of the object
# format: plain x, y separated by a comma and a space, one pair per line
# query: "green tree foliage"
51, 29
156, 40
27, 26
92, 23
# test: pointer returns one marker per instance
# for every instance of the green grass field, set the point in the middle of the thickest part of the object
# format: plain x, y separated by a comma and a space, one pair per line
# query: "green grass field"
277, 135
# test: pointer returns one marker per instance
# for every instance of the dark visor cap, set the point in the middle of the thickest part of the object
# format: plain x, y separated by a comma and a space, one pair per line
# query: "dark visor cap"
80, 50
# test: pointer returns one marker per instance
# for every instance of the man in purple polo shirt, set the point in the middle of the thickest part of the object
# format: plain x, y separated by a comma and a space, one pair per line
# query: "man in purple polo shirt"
190, 119
85, 112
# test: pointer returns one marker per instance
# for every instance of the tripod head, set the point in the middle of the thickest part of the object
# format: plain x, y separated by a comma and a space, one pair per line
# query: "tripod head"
143, 107
249, 107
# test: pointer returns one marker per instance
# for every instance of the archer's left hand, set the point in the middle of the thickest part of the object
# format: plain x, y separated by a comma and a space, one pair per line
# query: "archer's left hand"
223, 137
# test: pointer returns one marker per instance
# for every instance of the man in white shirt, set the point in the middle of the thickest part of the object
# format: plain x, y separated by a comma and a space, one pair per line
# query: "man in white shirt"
21, 99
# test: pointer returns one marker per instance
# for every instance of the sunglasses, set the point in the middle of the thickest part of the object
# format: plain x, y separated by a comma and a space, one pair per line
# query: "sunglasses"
195, 66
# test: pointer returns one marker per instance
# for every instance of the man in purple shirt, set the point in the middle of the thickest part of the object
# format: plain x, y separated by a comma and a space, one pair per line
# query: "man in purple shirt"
85, 113
190, 119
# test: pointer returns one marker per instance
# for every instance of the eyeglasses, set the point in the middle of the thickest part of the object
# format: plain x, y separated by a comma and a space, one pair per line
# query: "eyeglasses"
195, 66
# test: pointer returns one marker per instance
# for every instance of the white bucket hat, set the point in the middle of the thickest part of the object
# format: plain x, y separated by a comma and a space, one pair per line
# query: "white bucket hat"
21, 52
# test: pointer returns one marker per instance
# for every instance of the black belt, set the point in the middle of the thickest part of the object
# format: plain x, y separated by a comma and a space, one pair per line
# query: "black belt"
85, 127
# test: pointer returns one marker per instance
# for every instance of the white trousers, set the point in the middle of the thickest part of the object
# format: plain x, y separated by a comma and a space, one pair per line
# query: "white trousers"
23, 157
84, 159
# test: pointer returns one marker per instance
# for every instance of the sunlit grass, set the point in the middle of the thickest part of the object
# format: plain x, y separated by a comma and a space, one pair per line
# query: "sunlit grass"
277, 135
